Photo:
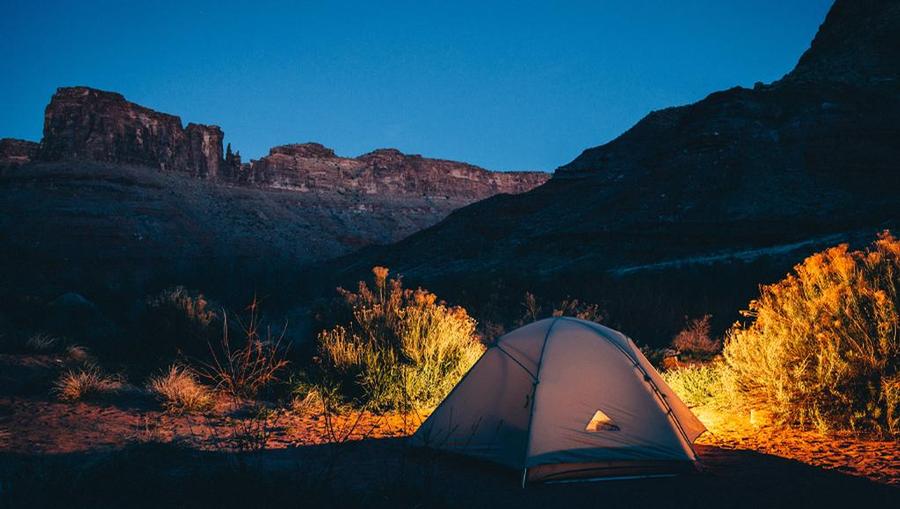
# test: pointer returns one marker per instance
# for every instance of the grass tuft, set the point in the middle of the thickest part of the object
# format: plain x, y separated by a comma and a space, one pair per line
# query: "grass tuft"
180, 391
86, 383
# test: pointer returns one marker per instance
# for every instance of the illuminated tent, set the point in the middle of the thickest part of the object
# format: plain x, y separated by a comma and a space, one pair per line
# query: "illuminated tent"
564, 398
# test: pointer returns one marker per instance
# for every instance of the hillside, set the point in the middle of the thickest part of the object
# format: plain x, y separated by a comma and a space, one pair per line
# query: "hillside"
118, 198
695, 205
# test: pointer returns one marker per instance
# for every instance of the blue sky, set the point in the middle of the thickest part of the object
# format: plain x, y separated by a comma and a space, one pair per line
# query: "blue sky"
505, 85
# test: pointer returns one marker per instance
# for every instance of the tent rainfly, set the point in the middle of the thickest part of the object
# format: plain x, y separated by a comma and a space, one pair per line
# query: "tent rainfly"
563, 399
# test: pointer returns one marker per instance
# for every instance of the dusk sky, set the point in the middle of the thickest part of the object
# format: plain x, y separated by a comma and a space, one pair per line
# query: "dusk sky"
504, 85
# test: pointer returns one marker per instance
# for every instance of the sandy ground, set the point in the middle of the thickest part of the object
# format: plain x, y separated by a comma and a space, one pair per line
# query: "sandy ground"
878, 460
750, 465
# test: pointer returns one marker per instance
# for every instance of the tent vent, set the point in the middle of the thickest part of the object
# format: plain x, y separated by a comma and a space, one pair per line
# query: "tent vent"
601, 422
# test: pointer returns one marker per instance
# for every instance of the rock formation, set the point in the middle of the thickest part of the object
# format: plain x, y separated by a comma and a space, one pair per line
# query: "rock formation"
311, 167
15, 152
82, 123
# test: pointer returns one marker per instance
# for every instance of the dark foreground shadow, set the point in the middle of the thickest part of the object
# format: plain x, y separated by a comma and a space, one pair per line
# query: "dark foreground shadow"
386, 473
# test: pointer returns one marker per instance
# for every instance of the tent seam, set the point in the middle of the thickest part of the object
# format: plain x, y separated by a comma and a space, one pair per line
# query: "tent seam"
532, 375
537, 381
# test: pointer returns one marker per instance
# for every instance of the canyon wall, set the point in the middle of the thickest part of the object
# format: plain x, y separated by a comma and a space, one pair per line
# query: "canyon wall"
82, 123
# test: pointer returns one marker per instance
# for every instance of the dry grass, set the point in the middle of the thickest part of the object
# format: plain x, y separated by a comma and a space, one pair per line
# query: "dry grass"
402, 348
180, 391
823, 347
241, 370
42, 343
85, 383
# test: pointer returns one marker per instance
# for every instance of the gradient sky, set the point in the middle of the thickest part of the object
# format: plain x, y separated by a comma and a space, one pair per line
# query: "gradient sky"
505, 85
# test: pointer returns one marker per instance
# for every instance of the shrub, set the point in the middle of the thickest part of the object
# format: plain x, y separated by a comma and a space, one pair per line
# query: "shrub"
180, 391
172, 323
78, 354
694, 340
241, 369
701, 384
823, 347
85, 383
402, 348
567, 307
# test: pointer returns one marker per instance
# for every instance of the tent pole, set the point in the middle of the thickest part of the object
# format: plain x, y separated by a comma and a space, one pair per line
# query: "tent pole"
537, 380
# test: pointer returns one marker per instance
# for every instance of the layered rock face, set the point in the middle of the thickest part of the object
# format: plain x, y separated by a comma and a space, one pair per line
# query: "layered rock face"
82, 123
312, 167
15, 152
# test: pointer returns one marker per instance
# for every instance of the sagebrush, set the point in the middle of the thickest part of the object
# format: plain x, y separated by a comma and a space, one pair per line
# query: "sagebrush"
401, 348
823, 346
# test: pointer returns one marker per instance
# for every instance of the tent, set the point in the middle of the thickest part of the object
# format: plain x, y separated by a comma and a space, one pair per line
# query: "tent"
561, 399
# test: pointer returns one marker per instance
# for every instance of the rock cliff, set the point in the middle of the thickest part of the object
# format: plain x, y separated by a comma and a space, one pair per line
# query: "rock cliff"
311, 167
82, 123
15, 152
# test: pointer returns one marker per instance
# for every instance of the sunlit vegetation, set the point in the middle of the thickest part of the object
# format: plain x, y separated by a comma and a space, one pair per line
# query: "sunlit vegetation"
86, 383
823, 345
821, 348
701, 384
179, 390
400, 348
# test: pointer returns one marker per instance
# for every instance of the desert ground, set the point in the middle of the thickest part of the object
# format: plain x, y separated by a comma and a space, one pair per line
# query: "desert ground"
102, 452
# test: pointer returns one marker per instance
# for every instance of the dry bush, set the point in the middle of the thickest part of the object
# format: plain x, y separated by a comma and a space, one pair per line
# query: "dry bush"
78, 354
823, 347
402, 348
42, 342
243, 368
695, 340
180, 391
567, 307
85, 383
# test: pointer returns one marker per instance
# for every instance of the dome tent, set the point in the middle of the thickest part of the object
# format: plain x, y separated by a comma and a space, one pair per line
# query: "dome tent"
563, 398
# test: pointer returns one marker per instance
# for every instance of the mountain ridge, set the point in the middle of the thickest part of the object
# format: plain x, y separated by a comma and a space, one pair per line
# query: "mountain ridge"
812, 155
